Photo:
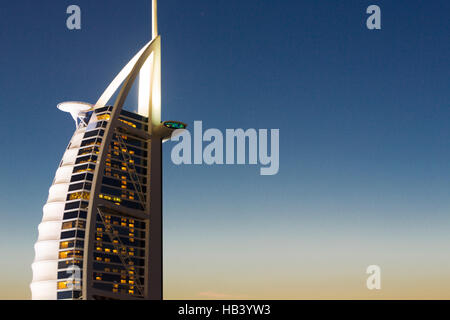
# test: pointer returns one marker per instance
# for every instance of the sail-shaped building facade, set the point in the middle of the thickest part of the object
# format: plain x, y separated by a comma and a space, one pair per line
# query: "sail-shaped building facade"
101, 232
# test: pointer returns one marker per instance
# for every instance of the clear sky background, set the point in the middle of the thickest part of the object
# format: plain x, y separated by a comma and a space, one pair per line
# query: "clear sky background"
364, 137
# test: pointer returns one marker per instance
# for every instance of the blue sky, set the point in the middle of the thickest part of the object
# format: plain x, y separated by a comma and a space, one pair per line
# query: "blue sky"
364, 136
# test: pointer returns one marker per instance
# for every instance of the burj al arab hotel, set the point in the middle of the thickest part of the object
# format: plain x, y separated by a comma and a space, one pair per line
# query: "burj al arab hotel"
101, 233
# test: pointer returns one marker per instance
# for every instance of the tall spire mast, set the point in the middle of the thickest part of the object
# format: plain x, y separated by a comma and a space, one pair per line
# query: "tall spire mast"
149, 101
154, 19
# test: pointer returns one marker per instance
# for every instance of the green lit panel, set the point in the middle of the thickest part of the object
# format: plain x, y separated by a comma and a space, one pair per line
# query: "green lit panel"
174, 125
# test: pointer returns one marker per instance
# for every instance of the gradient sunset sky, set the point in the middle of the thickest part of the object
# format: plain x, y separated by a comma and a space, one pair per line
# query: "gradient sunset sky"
364, 139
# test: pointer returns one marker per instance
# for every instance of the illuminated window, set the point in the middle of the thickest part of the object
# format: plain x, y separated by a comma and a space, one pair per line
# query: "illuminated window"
80, 195
65, 244
62, 285
103, 117
68, 225
128, 123
70, 254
